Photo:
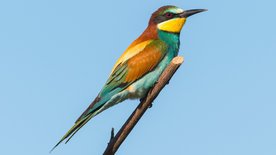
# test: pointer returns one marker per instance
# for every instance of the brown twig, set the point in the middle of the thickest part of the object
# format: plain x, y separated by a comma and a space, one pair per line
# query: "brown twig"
112, 135
145, 103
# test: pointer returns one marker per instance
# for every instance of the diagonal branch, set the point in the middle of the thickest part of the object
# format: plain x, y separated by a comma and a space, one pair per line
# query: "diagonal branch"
145, 103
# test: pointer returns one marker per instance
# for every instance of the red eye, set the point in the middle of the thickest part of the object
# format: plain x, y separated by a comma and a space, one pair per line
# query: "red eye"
168, 14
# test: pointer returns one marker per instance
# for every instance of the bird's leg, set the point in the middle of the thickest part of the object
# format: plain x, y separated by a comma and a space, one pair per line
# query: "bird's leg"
149, 92
143, 99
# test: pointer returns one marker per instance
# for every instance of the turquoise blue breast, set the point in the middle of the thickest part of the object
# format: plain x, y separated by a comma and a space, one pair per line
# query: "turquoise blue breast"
172, 40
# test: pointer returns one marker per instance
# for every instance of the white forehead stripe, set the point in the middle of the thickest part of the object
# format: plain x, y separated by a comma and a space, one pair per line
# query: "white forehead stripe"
175, 10
178, 10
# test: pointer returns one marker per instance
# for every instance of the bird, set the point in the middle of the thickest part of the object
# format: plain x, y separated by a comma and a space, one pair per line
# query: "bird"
139, 67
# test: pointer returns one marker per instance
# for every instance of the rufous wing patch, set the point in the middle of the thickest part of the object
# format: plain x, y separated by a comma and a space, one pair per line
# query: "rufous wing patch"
142, 63
130, 52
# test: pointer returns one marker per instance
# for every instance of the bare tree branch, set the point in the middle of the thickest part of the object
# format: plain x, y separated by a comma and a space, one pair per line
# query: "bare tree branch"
145, 103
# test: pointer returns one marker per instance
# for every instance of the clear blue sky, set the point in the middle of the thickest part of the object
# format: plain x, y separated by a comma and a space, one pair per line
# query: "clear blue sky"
55, 56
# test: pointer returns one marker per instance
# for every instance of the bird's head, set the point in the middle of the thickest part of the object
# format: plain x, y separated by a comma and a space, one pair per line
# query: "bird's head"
171, 18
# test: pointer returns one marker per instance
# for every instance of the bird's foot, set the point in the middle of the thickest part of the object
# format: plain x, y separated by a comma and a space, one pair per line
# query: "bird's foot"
142, 99
150, 105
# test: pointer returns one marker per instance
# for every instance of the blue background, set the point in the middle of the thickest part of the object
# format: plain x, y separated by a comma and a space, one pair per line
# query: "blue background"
55, 56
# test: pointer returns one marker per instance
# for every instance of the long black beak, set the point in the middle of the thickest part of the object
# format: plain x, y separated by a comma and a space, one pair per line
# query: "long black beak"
188, 13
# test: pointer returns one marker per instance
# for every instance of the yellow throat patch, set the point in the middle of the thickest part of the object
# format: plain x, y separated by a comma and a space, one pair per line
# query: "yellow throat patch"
173, 25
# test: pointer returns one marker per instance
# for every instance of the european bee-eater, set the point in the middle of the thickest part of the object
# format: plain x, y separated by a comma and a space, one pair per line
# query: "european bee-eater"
141, 64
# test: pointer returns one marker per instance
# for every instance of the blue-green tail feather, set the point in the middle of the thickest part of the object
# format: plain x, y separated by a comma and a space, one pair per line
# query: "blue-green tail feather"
83, 119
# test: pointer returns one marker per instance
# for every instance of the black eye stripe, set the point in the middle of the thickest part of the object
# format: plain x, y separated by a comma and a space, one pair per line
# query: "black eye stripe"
164, 17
